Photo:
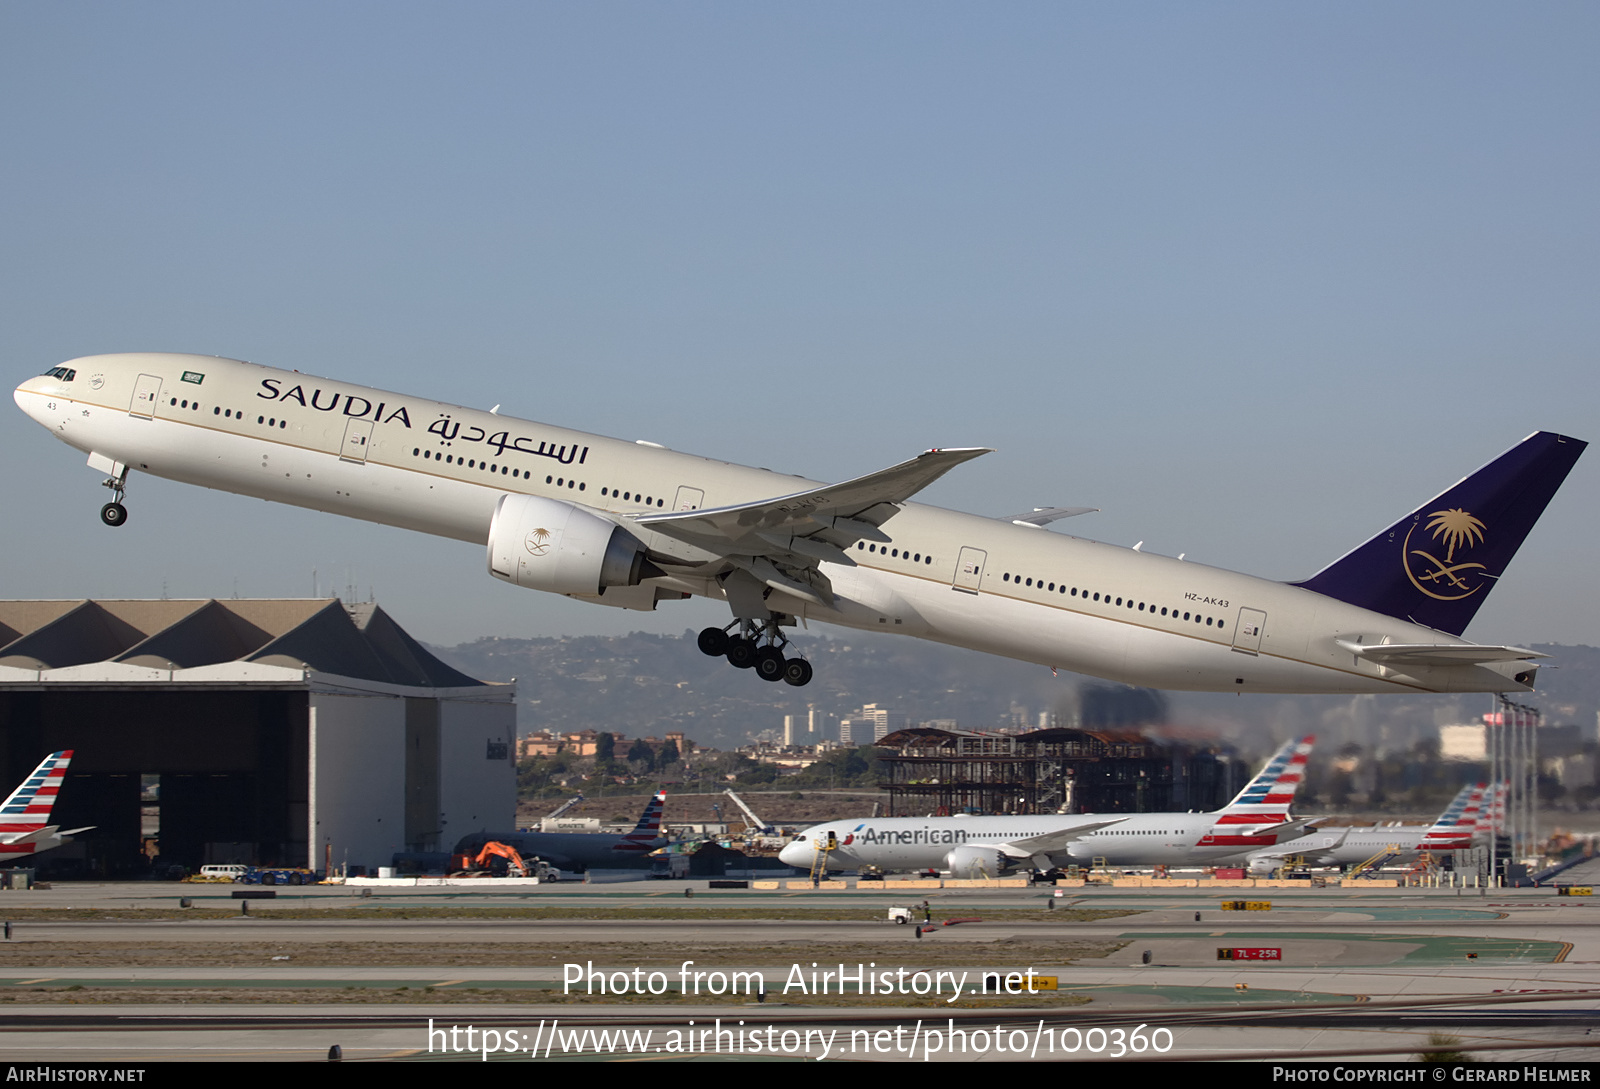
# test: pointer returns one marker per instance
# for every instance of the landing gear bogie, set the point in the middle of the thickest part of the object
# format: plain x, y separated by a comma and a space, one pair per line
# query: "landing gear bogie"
756, 646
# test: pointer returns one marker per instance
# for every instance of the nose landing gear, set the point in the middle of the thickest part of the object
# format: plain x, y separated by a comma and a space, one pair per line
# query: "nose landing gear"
759, 647
114, 513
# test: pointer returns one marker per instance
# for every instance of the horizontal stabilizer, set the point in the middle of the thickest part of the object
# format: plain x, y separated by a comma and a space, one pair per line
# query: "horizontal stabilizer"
1436, 654
11, 839
1043, 516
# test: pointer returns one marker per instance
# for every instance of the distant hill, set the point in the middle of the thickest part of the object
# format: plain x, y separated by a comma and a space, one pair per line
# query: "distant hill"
645, 685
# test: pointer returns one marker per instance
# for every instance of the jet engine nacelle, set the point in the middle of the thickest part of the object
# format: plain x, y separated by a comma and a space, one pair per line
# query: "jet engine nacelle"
545, 544
975, 862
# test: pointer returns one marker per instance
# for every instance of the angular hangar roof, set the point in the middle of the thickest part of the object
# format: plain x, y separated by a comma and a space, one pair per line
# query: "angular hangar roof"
107, 640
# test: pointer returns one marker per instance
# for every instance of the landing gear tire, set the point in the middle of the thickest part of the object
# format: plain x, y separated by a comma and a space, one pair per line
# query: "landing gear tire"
713, 642
741, 652
769, 664
797, 671
113, 514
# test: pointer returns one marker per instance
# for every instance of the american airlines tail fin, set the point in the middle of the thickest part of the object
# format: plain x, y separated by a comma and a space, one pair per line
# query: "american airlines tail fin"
1495, 808
647, 832
1437, 564
24, 827
1456, 813
1265, 799
28, 809
1458, 824
1263, 805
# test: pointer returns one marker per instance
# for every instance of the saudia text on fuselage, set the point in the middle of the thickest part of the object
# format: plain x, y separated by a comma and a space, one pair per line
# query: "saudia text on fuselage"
448, 430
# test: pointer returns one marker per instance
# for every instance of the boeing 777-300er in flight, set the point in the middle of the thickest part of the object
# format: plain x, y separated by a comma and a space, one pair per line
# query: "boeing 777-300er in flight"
631, 524
23, 831
986, 846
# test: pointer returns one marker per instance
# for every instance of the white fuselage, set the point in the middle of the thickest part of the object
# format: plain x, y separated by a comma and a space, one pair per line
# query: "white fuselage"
925, 843
1351, 847
990, 585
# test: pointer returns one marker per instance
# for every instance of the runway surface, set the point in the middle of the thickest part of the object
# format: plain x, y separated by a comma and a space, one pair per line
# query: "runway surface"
1355, 973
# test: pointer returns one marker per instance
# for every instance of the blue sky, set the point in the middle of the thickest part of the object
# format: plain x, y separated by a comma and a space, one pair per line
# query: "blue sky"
1254, 278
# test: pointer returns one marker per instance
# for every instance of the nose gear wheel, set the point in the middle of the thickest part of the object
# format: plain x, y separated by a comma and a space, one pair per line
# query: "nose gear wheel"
114, 513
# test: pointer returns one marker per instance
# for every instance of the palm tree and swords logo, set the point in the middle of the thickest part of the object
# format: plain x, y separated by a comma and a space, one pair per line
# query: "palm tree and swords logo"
537, 542
1446, 579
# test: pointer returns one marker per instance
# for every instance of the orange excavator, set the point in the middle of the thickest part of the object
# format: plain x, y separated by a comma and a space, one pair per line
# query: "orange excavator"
516, 866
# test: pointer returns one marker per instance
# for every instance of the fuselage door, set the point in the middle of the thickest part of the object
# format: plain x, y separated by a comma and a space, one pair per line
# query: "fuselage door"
689, 499
146, 391
357, 434
969, 570
1247, 632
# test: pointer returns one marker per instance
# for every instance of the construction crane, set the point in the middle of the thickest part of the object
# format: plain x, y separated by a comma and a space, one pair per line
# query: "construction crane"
756, 823
564, 806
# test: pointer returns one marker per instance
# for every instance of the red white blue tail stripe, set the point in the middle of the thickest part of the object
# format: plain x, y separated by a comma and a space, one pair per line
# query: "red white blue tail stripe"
1497, 808
1457, 824
646, 835
24, 815
1264, 803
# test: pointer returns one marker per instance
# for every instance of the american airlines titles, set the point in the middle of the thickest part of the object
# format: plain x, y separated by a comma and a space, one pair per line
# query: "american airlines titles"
909, 836
448, 430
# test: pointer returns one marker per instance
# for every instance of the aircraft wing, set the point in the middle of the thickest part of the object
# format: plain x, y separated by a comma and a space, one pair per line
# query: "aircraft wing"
781, 540
1053, 842
1436, 654
828, 519
1288, 829
1290, 847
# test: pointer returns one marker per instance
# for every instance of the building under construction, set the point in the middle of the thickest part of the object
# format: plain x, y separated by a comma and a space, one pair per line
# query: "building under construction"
945, 772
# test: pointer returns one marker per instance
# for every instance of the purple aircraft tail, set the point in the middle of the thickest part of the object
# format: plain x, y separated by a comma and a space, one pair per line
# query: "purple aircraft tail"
1437, 564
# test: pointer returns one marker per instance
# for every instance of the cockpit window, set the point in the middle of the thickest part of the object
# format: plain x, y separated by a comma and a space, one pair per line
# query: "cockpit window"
66, 374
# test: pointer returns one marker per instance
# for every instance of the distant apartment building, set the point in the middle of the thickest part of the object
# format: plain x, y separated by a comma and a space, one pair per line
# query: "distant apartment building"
585, 742
1462, 741
871, 723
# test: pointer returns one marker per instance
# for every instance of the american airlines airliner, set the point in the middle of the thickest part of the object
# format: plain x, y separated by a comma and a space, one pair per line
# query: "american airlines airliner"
632, 525
1455, 830
1257, 818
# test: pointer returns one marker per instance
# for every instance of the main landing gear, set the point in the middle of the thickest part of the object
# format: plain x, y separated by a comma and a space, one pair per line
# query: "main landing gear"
758, 647
114, 513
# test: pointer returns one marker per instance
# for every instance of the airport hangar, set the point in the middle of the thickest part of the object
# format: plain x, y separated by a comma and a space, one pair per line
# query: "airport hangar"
284, 732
